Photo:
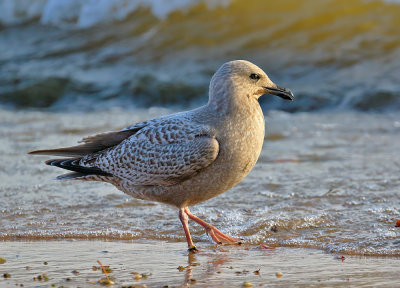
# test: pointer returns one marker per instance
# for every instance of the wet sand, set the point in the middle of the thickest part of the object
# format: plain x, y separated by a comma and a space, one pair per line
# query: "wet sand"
70, 264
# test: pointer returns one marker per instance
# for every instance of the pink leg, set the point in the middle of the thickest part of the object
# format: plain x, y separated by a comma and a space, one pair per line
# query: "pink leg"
216, 235
266, 247
184, 220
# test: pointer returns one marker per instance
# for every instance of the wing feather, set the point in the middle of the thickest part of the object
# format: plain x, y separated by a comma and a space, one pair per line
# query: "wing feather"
92, 144
162, 154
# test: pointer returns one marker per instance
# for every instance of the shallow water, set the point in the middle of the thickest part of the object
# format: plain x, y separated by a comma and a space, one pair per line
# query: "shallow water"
329, 181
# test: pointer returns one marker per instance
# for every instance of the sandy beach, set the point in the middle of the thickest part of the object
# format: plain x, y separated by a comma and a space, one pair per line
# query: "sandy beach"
166, 264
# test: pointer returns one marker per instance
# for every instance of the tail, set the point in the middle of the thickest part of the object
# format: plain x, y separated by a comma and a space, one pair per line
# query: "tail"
73, 165
92, 144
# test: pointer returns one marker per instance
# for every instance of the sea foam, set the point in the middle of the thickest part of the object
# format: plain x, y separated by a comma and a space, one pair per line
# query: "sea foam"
88, 13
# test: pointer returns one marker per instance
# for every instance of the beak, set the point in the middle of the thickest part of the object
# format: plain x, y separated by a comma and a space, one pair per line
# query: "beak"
280, 91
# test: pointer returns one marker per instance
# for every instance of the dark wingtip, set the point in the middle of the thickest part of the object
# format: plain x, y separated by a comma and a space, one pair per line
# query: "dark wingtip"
52, 162
73, 165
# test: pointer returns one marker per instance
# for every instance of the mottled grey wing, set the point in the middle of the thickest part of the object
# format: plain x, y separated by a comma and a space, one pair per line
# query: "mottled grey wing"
160, 154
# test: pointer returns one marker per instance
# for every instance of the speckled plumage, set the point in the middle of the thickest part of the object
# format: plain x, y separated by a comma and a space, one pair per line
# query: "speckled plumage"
185, 158
162, 153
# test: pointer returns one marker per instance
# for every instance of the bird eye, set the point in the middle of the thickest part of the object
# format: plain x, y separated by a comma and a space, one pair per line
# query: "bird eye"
254, 76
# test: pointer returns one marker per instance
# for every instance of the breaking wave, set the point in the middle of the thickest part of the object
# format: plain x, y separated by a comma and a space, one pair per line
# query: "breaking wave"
337, 54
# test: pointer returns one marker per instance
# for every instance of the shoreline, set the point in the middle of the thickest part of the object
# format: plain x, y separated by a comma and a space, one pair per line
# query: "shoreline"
69, 263
73, 238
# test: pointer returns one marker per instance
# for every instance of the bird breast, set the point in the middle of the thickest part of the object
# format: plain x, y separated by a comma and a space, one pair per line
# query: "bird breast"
243, 137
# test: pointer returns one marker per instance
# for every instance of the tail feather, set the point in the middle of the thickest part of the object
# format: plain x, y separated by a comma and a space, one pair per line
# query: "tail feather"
73, 165
91, 144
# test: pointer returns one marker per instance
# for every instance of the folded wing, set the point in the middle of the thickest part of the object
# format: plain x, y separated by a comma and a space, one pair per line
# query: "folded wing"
160, 154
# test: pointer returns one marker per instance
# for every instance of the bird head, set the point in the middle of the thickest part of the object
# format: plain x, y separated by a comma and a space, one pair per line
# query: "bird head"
242, 79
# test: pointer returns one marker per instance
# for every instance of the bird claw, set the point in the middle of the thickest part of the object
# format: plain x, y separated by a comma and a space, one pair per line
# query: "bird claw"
221, 238
193, 249
217, 236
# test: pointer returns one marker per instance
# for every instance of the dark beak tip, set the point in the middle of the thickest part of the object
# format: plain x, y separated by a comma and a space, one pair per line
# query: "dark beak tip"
284, 93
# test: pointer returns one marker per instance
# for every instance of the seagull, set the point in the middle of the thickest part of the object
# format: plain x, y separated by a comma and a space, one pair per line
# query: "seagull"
185, 158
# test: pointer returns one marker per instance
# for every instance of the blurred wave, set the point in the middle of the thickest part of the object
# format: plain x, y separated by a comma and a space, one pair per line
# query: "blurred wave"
88, 13
86, 54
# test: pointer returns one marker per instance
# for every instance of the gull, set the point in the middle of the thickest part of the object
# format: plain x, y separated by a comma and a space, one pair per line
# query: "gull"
185, 158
